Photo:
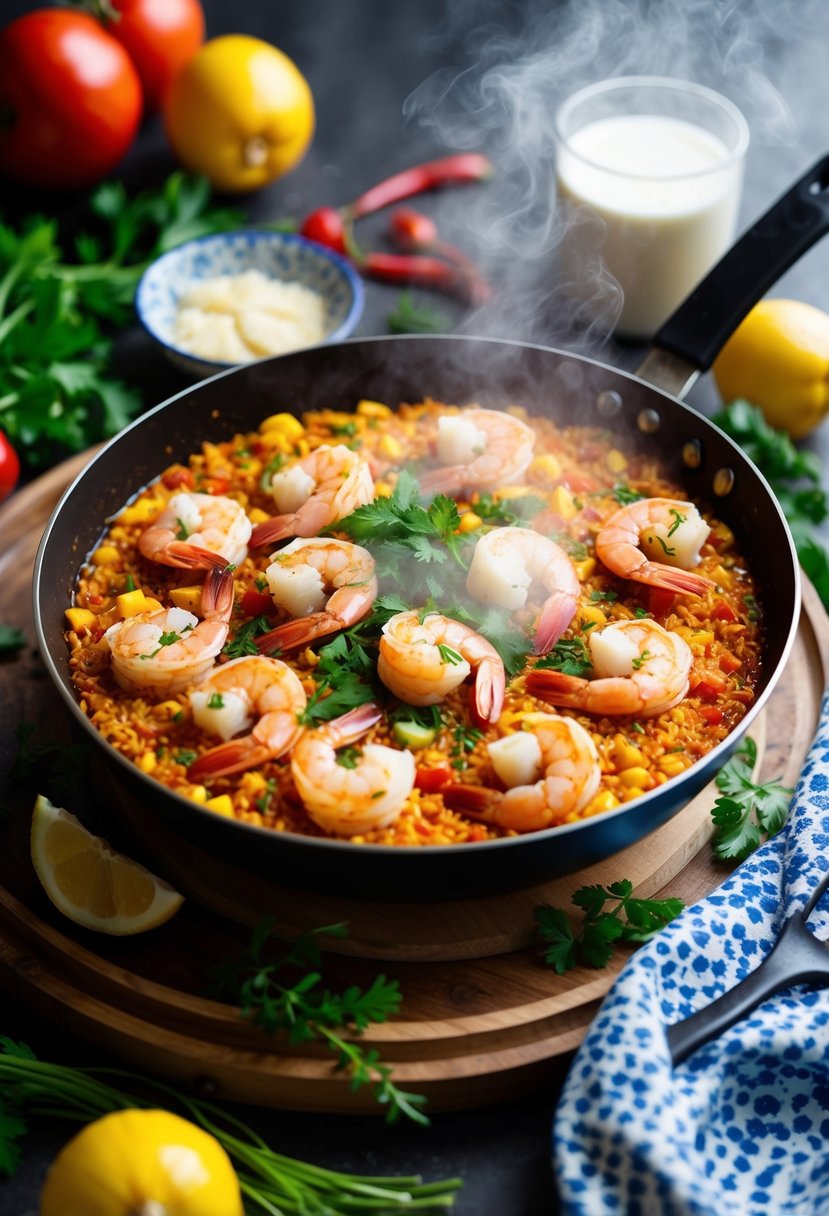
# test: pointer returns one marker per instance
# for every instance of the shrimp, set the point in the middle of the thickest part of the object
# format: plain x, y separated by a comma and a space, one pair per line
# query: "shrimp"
423, 660
481, 449
564, 758
193, 530
164, 651
669, 527
642, 669
321, 488
227, 701
368, 793
303, 574
507, 561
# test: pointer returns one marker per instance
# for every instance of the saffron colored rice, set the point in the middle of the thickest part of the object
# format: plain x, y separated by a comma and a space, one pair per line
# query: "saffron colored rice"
574, 472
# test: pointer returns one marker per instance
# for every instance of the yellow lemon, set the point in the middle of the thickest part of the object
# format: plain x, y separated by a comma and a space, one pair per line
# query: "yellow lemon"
240, 112
141, 1161
778, 359
92, 884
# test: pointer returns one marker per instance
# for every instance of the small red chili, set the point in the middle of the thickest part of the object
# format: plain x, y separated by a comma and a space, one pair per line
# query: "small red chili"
327, 227
417, 233
447, 171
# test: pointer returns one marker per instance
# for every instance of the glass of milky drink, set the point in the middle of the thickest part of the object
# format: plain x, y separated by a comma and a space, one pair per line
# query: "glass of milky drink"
649, 172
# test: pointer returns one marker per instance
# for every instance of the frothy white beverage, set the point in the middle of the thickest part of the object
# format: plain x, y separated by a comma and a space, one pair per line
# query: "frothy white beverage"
668, 211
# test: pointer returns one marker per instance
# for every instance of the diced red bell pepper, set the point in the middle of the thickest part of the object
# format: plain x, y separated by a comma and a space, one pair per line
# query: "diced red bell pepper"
729, 662
711, 714
580, 483
256, 603
707, 691
431, 779
722, 611
660, 601
214, 485
178, 476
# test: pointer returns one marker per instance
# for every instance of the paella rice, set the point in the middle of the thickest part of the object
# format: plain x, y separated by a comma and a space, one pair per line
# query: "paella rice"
580, 537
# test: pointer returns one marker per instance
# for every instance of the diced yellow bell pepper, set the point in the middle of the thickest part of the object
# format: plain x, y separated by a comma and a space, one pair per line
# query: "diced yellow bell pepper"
130, 603
196, 793
151, 604
562, 502
106, 555
382, 489
585, 568
142, 511
470, 522
591, 614
257, 516
222, 804
80, 618
625, 754
390, 447
635, 777
545, 470
147, 762
186, 597
616, 461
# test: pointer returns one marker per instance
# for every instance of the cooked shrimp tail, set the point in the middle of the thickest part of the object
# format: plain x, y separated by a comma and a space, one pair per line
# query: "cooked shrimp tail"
228, 701
666, 527
197, 530
552, 768
192, 557
315, 572
641, 668
490, 687
482, 449
270, 531
366, 794
508, 562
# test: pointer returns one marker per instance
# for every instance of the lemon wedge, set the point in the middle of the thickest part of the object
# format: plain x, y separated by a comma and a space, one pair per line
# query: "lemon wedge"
92, 884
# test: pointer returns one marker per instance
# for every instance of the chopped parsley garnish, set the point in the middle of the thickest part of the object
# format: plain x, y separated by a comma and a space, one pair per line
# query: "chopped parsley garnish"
679, 519
129, 585
348, 757
448, 655
666, 549
465, 738
344, 428
216, 701
640, 659
186, 758
243, 642
509, 511
570, 656
573, 548
273, 466
166, 639
182, 533
606, 597
625, 495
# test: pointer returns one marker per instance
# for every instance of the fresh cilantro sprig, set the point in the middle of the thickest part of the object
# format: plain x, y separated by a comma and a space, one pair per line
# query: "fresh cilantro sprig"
287, 994
795, 476
57, 393
625, 494
270, 1181
402, 522
745, 811
243, 641
508, 511
12, 639
611, 915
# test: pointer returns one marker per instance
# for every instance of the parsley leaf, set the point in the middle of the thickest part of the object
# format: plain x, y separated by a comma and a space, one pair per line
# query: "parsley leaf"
570, 656
610, 915
625, 495
243, 642
745, 811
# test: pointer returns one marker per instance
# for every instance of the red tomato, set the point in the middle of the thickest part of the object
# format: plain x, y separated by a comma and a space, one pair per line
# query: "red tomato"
160, 37
70, 98
9, 467
431, 779
711, 714
256, 603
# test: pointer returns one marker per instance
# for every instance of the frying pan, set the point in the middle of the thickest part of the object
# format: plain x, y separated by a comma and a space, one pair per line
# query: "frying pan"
493, 373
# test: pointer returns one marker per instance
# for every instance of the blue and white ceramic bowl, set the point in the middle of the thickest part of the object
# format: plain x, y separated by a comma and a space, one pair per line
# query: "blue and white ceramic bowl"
280, 255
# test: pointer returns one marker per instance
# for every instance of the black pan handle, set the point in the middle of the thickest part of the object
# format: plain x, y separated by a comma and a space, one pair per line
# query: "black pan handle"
700, 327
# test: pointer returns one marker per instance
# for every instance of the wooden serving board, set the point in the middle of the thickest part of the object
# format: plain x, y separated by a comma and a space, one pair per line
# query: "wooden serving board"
482, 1019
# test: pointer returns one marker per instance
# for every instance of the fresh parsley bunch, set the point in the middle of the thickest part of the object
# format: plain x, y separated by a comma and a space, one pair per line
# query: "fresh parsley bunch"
746, 811
57, 315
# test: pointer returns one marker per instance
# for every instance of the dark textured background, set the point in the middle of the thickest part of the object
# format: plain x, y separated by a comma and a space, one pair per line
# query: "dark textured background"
363, 60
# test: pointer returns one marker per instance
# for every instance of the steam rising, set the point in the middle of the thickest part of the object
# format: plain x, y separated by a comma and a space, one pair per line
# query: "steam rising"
523, 61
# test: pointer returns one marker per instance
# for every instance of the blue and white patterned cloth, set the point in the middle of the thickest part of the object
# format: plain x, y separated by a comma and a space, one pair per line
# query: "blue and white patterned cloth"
741, 1128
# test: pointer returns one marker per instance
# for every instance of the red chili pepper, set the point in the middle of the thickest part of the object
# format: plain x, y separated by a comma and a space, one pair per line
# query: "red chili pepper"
256, 603
423, 271
448, 171
417, 233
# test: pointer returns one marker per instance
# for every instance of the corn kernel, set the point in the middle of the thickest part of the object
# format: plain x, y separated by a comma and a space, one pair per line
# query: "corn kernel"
142, 511
616, 460
470, 522
563, 503
196, 793
701, 638
147, 762
382, 489
390, 447
311, 657
168, 709
303, 447
585, 568
257, 516
545, 469
605, 800
373, 409
253, 784
512, 492
510, 720
283, 424
632, 792
625, 755
591, 614
635, 776
671, 766
79, 618
106, 555
130, 603
222, 804
722, 577
277, 442
186, 597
